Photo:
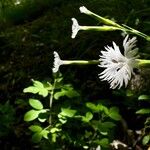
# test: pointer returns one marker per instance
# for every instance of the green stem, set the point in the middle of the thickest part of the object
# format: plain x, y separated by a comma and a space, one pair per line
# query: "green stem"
143, 63
114, 25
104, 20
51, 101
80, 62
134, 31
99, 28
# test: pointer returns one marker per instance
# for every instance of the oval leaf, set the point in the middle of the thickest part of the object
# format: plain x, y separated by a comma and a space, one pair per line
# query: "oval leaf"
35, 104
38, 84
144, 97
146, 139
35, 128
114, 113
45, 133
31, 115
37, 137
143, 111
43, 92
68, 112
31, 89
104, 142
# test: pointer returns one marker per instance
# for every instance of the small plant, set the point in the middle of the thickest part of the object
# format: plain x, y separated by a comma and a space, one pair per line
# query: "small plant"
64, 124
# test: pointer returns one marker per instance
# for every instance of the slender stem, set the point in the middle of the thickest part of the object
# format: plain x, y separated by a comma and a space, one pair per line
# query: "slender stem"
51, 101
99, 28
115, 26
143, 63
104, 20
80, 62
134, 31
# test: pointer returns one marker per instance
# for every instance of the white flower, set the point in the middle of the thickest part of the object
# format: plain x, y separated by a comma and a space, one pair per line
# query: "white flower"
118, 67
75, 28
84, 10
115, 144
57, 62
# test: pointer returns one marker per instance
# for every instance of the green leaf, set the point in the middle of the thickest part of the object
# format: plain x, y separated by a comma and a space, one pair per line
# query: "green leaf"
35, 128
43, 92
54, 136
91, 106
59, 79
97, 108
38, 84
43, 116
53, 130
100, 107
70, 93
114, 113
41, 120
87, 117
144, 97
104, 127
31, 89
143, 111
104, 142
57, 95
68, 112
37, 137
45, 133
108, 125
146, 139
31, 115
35, 103
63, 121
37, 87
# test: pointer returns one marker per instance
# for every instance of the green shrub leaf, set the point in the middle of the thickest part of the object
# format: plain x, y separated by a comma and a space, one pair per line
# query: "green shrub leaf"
104, 142
87, 117
143, 111
146, 139
66, 92
92, 106
31, 89
38, 84
144, 97
45, 133
35, 128
37, 87
37, 137
67, 112
114, 113
35, 103
43, 92
31, 115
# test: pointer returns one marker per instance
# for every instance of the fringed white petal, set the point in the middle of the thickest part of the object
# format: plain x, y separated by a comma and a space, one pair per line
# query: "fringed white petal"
75, 28
118, 67
57, 62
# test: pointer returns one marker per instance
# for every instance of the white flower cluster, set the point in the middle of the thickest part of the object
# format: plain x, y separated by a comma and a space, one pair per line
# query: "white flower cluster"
118, 67
75, 26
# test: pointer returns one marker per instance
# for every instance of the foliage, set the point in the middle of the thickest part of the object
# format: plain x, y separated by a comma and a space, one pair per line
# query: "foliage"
96, 121
145, 135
